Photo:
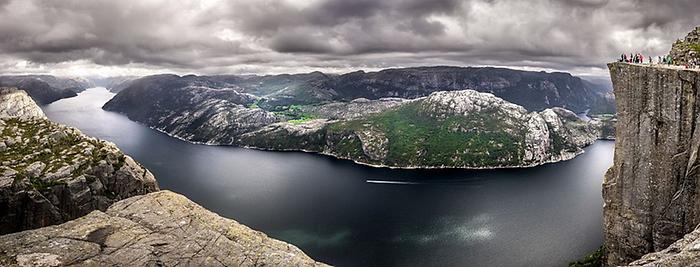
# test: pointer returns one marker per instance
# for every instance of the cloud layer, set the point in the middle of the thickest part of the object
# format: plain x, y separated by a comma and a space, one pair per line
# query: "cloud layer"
271, 36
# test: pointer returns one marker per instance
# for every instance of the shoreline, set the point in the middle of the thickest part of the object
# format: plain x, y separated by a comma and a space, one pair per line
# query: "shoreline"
568, 157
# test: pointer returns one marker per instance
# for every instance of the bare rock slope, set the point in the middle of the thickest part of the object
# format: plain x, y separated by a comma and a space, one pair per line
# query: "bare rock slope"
16, 103
684, 252
157, 229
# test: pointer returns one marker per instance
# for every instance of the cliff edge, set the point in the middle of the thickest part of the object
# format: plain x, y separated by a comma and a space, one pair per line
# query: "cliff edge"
651, 194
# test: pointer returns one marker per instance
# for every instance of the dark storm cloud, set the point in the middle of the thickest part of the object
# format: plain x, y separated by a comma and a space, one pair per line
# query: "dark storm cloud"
211, 36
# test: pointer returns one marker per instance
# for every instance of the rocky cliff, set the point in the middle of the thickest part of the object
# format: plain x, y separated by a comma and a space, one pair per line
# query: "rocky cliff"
682, 253
687, 50
651, 193
50, 173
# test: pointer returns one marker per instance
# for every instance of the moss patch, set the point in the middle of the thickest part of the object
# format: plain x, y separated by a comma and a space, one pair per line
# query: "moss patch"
594, 259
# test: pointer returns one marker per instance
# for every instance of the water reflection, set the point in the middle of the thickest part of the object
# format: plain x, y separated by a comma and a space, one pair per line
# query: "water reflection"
352, 215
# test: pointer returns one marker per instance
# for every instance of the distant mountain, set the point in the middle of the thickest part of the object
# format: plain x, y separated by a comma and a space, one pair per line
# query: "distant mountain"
45, 89
113, 84
535, 91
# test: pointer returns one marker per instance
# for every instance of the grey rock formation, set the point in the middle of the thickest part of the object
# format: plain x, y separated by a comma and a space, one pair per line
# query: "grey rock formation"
50, 173
687, 51
16, 103
157, 229
651, 193
683, 253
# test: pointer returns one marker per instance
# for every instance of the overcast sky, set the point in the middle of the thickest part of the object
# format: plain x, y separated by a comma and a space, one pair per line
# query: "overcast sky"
120, 37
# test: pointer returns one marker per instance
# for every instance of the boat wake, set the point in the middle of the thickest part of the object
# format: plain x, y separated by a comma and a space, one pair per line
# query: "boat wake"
390, 182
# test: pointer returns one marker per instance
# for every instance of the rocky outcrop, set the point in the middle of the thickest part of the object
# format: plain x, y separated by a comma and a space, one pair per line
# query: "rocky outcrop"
682, 253
157, 229
16, 103
50, 173
651, 193
687, 51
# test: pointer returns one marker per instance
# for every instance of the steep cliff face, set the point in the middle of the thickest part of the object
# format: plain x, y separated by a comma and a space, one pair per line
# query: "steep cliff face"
651, 193
50, 173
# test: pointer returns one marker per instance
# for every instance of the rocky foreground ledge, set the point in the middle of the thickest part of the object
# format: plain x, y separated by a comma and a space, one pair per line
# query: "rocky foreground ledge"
157, 229
684, 252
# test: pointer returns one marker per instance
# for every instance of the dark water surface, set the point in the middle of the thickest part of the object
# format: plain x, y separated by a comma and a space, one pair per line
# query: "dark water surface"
346, 214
